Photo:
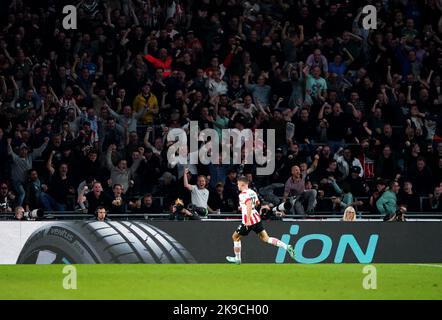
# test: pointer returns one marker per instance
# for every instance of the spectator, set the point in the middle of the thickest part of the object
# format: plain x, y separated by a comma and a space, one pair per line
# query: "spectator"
356, 184
34, 188
7, 198
436, 199
407, 197
386, 165
317, 60
149, 170
95, 198
217, 200
316, 86
378, 94
421, 177
122, 174
199, 193
147, 103
60, 188
349, 214
118, 200
21, 164
345, 198
163, 61
128, 119
260, 91
145, 205
387, 203
231, 188
305, 200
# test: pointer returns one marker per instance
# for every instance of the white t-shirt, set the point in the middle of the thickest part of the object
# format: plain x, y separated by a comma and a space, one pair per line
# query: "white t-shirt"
199, 197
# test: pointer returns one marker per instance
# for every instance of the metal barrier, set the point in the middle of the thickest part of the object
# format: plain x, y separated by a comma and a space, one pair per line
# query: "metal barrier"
227, 216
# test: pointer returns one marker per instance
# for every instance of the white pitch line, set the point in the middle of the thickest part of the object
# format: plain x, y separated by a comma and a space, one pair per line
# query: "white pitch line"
426, 265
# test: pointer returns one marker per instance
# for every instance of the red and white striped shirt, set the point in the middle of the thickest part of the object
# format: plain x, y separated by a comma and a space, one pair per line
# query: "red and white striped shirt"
244, 197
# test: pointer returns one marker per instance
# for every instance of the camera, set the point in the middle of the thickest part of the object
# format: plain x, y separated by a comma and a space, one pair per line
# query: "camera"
34, 214
191, 212
265, 213
179, 205
21, 214
286, 206
399, 214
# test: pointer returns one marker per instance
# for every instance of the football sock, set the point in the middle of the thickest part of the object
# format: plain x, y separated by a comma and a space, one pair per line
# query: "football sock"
237, 249
277, 243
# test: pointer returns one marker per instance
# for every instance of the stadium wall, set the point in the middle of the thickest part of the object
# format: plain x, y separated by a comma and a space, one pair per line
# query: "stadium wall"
210, 242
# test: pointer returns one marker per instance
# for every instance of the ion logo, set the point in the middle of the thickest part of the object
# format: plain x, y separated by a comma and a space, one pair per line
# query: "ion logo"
370, 21
346, 240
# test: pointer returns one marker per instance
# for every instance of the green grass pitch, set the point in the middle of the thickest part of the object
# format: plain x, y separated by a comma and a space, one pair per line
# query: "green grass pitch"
222, 281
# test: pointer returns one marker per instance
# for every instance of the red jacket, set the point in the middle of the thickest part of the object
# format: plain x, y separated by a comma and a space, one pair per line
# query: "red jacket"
157, 63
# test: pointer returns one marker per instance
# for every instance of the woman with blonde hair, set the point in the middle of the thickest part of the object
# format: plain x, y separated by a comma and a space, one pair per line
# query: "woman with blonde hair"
349, 214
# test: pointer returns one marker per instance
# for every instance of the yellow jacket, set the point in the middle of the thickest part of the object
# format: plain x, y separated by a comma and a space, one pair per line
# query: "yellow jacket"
140, 103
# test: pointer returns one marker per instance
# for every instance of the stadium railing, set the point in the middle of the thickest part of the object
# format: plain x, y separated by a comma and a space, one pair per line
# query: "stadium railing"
227, 216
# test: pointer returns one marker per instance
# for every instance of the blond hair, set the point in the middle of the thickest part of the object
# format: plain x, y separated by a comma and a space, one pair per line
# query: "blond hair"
349, 214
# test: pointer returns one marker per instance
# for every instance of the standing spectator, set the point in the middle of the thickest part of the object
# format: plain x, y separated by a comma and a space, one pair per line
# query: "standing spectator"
421, 177
122, 174
163, 61
21, 164
94, 199
60, 188
345, 161
387, 203
231, 188
34, 188
409, 198
118, 200
386, 165
317, 60
149, 170
147, 101
260, 91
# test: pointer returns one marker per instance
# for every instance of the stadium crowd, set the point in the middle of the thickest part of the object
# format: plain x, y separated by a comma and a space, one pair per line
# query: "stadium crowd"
84, 113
